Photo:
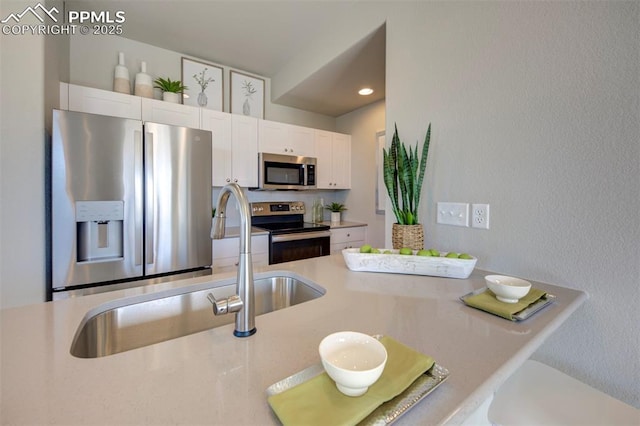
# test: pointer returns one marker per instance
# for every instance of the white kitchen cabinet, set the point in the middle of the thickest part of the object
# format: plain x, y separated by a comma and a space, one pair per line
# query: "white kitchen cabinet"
157, 111
351, 237
285, 139
219, 123
225, 253
235, 148
244, 151
333, 151
103, 102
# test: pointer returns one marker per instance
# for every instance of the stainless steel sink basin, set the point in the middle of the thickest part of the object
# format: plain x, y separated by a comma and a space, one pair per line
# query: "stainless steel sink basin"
131, 323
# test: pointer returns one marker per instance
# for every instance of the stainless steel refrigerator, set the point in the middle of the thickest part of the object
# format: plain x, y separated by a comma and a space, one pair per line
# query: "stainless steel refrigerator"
129, 201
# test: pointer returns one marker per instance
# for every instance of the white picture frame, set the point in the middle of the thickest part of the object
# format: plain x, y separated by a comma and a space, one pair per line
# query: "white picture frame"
247, 95
204, 83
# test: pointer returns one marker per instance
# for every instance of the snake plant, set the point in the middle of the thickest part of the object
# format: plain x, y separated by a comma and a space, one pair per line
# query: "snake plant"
403, 177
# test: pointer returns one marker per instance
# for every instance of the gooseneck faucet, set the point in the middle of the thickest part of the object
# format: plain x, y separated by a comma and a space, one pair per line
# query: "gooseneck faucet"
243, 302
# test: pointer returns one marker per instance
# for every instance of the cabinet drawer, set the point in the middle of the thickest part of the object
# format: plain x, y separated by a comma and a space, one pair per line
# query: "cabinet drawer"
259, 245
225, 251
230, 264
338, 247
342, 235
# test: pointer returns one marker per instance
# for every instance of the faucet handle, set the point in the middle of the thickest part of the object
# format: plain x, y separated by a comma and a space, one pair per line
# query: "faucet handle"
224, 306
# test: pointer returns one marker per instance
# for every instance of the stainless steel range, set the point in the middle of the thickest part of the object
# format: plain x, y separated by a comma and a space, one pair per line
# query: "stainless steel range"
290, 237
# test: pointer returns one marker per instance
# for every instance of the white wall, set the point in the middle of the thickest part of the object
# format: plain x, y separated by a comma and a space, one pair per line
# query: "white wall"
93, 58
363, 124
22, 243
535, 110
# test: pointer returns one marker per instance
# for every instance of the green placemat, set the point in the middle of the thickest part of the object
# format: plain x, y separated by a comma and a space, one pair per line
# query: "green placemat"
487, 301
319, 402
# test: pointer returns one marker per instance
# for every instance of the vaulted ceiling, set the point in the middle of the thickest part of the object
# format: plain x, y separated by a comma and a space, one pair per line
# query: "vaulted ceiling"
262, 37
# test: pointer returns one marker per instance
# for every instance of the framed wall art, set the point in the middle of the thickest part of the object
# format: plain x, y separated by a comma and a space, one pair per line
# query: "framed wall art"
381, 189
247, 95
204, 84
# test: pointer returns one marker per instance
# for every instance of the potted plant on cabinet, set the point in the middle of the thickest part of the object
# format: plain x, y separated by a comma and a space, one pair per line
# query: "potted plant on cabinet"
336, 211
403, 176
171, 90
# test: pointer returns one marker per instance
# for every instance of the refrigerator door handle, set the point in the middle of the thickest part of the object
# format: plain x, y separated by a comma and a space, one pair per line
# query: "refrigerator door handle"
150, 221
138, 203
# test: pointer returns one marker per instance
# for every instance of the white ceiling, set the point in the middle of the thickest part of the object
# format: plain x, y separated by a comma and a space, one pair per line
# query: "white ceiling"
260, 37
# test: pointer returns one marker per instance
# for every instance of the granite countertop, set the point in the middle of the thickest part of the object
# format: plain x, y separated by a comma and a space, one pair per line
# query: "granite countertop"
212, 377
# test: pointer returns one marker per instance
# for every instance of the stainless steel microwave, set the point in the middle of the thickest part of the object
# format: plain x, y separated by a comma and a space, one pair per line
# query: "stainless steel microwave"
277, 171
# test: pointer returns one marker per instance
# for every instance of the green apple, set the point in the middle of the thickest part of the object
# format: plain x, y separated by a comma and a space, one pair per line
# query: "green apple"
405, 250
435, 252
424, 253
376, 251
365, 249
452, 255
387, 252
465, 256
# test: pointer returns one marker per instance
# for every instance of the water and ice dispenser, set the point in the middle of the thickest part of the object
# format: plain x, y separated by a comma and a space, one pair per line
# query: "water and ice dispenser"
99, 230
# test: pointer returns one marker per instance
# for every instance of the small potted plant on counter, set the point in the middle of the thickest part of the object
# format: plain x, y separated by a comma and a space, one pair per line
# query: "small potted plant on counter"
336, 210
171, 90
404, 170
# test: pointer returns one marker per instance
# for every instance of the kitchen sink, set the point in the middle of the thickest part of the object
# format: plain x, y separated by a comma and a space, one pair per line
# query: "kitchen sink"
125, 324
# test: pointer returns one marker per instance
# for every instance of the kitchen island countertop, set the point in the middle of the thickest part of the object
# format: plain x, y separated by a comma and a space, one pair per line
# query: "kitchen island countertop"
212, 377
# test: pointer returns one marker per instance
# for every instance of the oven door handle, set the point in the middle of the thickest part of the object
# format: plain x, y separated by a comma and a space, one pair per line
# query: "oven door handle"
300, 236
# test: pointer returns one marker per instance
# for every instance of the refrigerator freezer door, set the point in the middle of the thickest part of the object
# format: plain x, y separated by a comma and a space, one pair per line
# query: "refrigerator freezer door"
96, 223
178, 198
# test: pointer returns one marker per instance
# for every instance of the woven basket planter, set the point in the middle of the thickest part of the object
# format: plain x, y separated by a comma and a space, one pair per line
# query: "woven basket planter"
411, 236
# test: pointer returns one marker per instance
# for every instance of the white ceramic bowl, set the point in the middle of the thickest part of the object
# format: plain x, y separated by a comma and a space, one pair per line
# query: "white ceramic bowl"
353, 360
507, 289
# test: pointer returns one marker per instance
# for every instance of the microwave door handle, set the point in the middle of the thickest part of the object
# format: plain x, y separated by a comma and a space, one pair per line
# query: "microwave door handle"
300, 236
138, 202
150, 195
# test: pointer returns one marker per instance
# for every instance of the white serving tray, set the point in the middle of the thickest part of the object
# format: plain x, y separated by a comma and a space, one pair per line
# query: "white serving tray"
405, 264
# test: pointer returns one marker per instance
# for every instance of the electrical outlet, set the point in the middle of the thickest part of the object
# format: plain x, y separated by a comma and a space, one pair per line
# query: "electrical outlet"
480, 216
456, 214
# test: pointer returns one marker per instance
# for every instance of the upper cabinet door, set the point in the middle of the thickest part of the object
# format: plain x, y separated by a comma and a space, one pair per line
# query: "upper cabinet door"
219, 123
324, 173
302, 140
285, 139
333, 151
157, 111
244, 154
274, 137
341, 155
104, 102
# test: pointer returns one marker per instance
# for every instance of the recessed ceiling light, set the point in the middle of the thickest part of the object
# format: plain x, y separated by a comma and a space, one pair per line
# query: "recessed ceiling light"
366, 91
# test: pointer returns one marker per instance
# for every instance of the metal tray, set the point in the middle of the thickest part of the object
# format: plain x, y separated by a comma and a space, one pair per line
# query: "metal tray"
526, 312
386, 413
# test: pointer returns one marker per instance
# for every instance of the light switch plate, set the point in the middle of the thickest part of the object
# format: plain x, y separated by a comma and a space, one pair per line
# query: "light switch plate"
456, 214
